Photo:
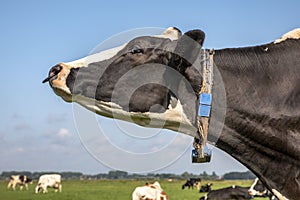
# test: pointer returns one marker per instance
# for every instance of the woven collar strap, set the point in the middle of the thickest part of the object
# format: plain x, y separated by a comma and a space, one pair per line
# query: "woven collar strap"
205, 96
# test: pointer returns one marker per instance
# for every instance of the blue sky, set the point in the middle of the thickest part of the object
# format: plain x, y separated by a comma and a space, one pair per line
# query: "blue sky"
37, 128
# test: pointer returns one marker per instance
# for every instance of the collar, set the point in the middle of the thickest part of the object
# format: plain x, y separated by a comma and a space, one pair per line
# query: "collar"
202, 153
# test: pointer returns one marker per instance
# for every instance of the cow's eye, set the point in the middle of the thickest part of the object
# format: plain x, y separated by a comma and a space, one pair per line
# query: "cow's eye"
135, 51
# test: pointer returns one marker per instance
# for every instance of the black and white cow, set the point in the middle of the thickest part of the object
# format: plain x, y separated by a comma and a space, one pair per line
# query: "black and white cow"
205, 188
258, 189
21, 180
49, 180
191, 183
233, 192
155, 81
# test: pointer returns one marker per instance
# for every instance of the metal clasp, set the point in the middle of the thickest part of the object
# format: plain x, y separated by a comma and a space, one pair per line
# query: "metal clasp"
206, 157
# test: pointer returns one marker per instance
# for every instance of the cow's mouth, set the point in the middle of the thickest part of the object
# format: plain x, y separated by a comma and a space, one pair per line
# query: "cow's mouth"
57, 79
53, 73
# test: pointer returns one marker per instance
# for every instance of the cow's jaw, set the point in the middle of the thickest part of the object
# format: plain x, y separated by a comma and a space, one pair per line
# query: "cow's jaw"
173, 118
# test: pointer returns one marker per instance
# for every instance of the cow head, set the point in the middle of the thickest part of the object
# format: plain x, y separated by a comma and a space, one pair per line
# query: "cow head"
151, 81
38, 188
257, 188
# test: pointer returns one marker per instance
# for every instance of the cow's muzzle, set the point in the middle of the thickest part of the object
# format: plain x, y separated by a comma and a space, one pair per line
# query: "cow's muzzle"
54, 71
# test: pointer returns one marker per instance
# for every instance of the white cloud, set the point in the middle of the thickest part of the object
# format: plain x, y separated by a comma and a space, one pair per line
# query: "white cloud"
20, 149
63, 133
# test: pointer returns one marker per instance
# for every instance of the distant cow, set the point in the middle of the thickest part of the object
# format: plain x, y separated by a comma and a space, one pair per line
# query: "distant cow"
191, 183
206, 188
233, 192
21, 180
49, 180
149, 192
258, 189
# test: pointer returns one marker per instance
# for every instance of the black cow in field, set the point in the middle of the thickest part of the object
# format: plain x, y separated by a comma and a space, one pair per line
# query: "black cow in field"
191, 183
205, 188
155, 81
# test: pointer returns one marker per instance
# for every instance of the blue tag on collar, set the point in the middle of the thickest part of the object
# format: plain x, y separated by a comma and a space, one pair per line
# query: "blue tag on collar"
205, 105
204, 110
205, 99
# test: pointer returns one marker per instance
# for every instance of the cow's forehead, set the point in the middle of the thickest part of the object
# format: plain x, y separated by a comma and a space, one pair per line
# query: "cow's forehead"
145, 42
170, 33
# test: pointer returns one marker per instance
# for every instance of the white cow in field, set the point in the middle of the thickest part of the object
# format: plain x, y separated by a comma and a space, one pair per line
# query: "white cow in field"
49, 180
149, 191
21, 180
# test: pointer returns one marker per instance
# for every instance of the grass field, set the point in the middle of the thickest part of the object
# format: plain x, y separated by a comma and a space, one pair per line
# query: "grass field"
109, 190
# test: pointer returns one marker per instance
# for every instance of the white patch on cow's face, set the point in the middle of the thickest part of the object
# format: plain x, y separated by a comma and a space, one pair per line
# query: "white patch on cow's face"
170, 33
98, 57
294, 34
252, 191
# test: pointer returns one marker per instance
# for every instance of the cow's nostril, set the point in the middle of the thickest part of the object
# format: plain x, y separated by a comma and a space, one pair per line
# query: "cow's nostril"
53, 73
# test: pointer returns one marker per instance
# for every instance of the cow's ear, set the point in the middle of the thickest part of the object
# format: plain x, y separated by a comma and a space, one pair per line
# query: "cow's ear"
197, 35
187, 50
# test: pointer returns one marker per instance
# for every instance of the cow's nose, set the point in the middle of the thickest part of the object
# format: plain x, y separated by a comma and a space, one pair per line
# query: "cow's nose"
54, 71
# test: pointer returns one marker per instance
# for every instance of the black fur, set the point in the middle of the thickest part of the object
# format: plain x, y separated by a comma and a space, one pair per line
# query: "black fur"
100, 80
235, 192
262, 128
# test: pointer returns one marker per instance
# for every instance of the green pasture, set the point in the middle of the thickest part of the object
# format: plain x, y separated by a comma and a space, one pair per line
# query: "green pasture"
109, 190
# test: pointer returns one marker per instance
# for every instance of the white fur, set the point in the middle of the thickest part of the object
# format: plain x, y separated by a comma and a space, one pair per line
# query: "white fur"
251, 190
170, 33
279, 195
150, 191
103, 55
49, 180
254, 192
294, 34
169, 119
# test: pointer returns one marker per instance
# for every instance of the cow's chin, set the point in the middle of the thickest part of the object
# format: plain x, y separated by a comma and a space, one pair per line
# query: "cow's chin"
65, 95
173, 118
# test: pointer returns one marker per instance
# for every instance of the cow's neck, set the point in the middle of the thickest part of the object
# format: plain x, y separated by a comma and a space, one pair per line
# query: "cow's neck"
262, 128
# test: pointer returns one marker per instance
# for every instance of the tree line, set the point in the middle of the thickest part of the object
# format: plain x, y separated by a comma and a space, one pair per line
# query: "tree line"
114, 175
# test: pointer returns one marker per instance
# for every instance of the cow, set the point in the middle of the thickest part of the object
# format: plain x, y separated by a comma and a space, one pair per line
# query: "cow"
257, 189
149, 191
21, 180
191, 183
49, 180
233, 192
155, 82
206, 188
